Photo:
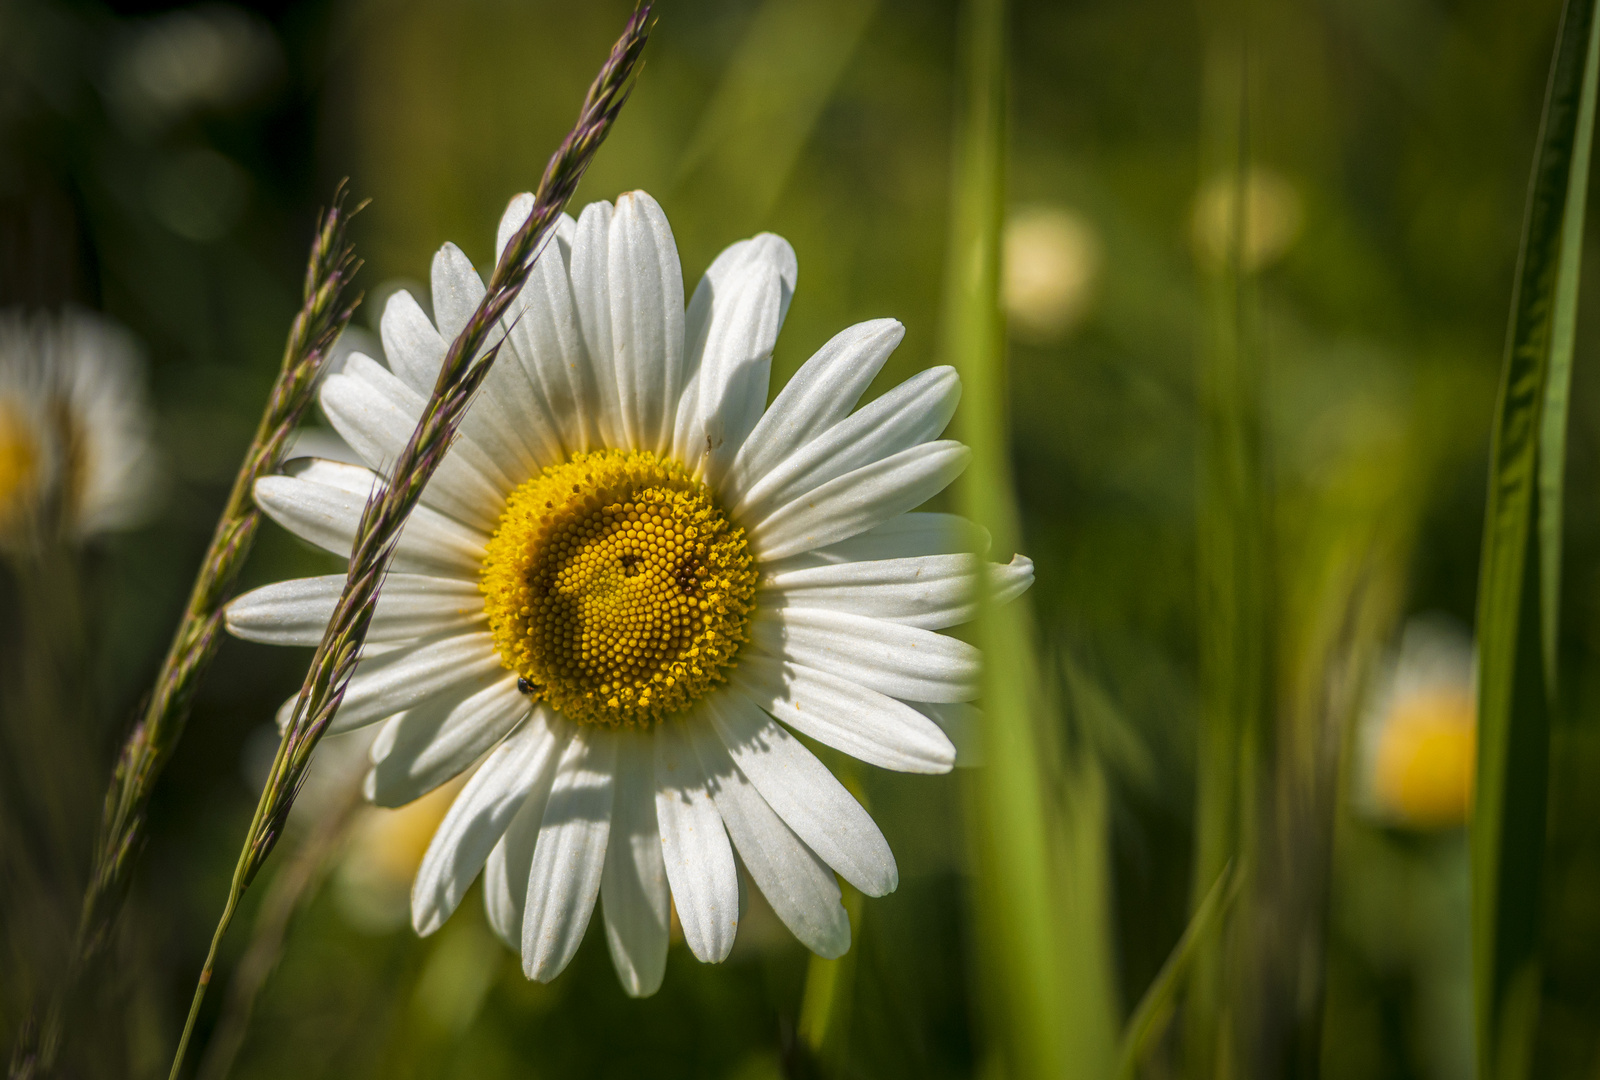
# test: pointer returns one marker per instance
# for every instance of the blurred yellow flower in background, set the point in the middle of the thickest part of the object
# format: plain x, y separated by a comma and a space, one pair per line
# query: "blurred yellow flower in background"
1419, 738
1274, 214
1051, 264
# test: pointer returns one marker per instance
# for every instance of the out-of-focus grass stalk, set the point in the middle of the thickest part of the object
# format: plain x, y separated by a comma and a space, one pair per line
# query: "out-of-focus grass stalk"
826, 1006
465, 366
1150, 1016
323, 315
1519, 582
1049, 1008
783, 74
293, 887
1234, 571
827, 1001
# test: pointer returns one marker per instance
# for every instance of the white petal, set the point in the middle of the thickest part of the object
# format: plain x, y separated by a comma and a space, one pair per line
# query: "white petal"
478, 818
858, 500
730, 328
427, 745
457, 291
960, 721
646, 320
699, 859
932, 592
591, 296
376, 414
328, 516
547, 340
798, 885
908, 536
901, 661
570, 855
845, 715
414, 349
296, 612
633, 890
401, 679
806, 795
821, 393
505, 874
911, 414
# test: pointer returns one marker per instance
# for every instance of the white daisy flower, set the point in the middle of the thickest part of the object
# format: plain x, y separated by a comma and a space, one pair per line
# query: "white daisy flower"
627, 583
74, 426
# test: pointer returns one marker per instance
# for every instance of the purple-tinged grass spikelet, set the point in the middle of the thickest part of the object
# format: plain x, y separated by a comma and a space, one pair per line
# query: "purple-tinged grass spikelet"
465, 366
325, 310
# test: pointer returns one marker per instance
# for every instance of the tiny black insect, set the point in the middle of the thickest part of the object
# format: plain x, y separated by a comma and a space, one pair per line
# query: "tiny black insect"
524, 686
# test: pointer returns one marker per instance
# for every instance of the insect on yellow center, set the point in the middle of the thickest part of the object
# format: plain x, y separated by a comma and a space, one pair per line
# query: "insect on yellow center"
616, 588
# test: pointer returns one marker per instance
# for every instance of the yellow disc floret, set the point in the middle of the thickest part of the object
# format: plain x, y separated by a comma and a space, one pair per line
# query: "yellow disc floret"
616, 588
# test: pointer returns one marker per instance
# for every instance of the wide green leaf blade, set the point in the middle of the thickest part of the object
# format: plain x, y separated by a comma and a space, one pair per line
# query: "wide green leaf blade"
1519, 583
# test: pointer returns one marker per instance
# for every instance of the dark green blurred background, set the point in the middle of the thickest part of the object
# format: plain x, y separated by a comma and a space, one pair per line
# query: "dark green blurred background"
165, 165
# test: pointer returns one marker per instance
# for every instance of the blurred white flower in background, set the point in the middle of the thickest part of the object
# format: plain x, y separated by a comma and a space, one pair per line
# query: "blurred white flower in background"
75, 449
1050, 265
1417, 743
1274, 215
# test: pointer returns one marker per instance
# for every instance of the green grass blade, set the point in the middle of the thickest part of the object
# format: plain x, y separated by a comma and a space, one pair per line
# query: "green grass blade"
1150, 1016
1558, 378
1233, 564
1516, 631
1030, 935
788, 66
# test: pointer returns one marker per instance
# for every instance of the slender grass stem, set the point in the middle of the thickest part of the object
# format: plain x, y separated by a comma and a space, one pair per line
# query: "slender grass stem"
1234, 562
466, 364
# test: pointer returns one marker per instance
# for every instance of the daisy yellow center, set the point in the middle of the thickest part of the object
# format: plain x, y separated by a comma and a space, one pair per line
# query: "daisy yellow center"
616, 588
19, 462
1426, 754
